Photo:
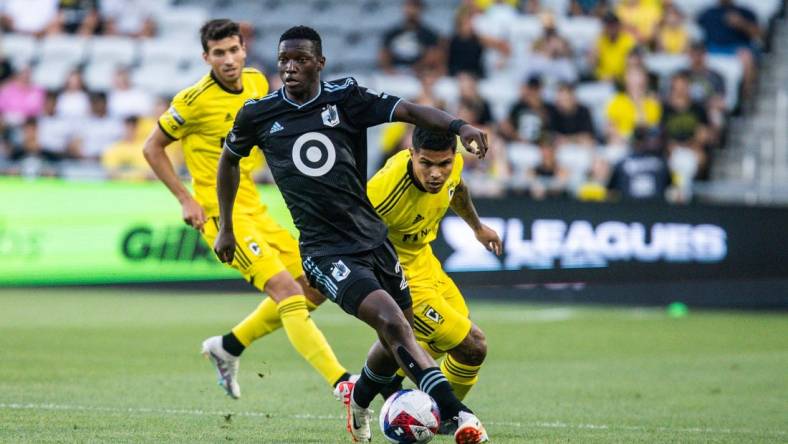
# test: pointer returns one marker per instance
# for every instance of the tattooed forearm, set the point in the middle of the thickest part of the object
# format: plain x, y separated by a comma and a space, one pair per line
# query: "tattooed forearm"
462, 205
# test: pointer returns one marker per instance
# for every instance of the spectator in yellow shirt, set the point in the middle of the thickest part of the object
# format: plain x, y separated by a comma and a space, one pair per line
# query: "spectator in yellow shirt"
635, 106
610, 54
640, 18
672, 36
124, 159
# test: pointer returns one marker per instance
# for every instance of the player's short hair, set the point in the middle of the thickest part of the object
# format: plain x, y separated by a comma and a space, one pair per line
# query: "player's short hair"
304, 33
425, 139
219, 29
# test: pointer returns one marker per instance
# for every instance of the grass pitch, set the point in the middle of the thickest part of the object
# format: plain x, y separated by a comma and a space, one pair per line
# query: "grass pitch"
124, 366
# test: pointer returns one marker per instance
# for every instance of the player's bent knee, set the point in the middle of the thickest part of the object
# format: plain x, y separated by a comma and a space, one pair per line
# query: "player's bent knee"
312, 294
281, 286
473, 349
395, 330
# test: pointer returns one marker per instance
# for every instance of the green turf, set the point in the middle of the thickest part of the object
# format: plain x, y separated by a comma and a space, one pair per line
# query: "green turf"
123, 366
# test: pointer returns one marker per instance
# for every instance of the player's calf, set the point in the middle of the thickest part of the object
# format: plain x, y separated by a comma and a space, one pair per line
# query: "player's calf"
462, 364
473, 349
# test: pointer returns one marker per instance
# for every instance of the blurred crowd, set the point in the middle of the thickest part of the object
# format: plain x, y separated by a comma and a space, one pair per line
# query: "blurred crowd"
650, 137
592, 118
72, 131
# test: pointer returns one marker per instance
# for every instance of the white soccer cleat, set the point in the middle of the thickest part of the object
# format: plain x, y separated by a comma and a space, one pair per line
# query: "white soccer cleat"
226, 365
469, 429
358, 418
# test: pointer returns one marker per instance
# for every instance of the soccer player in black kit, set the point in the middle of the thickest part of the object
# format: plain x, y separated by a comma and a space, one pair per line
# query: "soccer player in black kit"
313, 135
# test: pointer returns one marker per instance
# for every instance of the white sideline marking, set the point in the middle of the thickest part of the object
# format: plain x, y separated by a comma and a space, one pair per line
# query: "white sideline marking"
543, 425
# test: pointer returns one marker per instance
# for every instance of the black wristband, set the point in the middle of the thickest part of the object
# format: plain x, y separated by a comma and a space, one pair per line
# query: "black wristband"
455, 125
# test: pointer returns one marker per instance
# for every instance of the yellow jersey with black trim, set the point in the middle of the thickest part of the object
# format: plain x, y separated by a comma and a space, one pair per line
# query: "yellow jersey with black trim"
411, 214
200, 116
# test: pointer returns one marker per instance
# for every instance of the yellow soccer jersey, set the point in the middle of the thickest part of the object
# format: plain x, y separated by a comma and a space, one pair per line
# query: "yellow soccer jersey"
200, 117
412, 215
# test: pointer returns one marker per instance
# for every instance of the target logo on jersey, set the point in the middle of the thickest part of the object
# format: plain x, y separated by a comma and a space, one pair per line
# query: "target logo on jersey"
409, 416
314, 154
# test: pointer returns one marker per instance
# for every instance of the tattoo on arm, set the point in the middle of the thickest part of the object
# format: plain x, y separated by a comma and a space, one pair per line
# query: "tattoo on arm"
462, 205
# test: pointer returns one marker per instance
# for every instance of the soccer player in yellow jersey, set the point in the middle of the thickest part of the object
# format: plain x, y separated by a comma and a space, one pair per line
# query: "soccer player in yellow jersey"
267, 255
411, 193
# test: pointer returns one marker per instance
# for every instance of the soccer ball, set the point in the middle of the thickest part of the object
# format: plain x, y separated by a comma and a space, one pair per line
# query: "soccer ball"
409, 416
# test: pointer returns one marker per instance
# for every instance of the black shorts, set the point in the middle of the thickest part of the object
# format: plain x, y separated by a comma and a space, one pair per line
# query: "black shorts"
347, 279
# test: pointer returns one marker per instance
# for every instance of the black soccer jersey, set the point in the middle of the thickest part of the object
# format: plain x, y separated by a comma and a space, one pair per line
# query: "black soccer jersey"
317, 153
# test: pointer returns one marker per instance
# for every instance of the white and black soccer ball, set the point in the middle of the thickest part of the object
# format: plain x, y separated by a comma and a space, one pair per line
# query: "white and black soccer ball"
409, 416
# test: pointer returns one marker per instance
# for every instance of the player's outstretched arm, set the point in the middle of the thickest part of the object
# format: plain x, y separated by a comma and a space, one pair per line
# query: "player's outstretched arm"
473, 139
154, 151
228, 176
462, 204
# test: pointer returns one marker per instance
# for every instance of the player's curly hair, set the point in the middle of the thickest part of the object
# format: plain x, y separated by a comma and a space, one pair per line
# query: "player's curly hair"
219, 29
425, 139
304, 33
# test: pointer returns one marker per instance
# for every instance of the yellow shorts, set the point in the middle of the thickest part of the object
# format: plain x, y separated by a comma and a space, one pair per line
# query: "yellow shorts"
263, 248
440, 316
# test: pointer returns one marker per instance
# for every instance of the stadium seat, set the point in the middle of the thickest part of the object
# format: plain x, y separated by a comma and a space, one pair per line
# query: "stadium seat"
732, 72
382, 15
581, 32
558, 7
336, 16
577, 160
193, 72
364, 48
112, 49
283, 14
523, 32
523, 156
65, 49
54, 133
161, 78
764, 9
440, 18
51, 74
19, 48
612, 154
181, 22
169, 51
238, 10
500, 93
694, 30
595, 96
683, 163
692, 8
334, 45
447, 90
665, 65
98, 75
403, 86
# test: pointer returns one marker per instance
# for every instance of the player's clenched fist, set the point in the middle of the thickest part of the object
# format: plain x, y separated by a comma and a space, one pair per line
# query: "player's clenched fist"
224, 246
193, 214
474, 140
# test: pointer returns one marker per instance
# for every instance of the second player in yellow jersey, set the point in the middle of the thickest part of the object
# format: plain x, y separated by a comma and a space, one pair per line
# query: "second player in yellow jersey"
411, 193
267, 255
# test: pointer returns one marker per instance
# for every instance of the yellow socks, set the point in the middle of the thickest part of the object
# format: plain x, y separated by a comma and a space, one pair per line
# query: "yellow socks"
307, 339
259, 323
462, 377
